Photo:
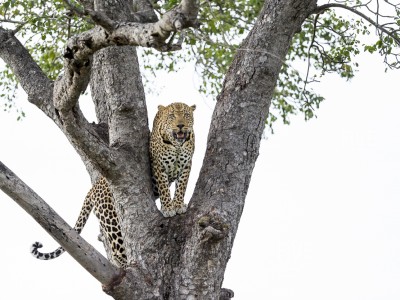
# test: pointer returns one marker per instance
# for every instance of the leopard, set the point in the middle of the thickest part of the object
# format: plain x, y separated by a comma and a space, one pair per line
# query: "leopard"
172, 144
171, 152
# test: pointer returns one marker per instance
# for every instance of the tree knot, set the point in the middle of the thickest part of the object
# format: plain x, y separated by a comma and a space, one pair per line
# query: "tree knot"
213, 227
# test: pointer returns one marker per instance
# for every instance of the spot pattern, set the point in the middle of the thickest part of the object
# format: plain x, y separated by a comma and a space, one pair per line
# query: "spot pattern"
171, 151
99, 199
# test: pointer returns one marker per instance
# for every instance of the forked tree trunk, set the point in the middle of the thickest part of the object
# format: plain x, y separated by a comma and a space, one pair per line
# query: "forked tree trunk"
183, 257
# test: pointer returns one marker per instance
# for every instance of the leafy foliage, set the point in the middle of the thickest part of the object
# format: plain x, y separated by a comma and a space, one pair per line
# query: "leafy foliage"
8, 90
212, 47
328, 43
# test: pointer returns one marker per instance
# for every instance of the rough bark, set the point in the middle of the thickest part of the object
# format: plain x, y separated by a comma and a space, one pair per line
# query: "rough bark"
183, 257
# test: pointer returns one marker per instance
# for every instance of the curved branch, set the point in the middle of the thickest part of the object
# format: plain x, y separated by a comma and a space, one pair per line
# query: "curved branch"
154, 35
69, 86
324, 7
309, 58
32, 79
87, 256
90, 140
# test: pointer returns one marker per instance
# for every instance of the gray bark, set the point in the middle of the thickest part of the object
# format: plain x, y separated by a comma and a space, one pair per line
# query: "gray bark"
183, 257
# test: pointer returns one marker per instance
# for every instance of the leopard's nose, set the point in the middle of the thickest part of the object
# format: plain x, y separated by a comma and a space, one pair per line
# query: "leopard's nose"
180, 126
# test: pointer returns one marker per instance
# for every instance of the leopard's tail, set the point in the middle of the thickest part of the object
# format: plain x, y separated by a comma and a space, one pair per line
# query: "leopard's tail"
45, 256
80, 223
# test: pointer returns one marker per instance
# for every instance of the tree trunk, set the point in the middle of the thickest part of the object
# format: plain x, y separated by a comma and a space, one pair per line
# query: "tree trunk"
183, 257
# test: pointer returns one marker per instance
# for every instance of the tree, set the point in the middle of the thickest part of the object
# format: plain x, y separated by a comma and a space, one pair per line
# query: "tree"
196, 246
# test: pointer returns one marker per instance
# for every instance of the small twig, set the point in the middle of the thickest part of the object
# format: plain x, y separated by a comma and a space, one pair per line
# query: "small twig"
309, 56
12, 21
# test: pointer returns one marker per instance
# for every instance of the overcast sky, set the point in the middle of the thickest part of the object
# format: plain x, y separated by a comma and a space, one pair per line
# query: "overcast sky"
321, 219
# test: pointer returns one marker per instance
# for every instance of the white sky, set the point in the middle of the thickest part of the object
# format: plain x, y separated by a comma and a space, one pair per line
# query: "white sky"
321, 219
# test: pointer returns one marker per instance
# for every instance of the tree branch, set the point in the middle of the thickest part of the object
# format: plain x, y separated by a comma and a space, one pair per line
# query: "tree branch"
32, 79
321, 8
69, 86
87, 256
154, 35
87, 140
11, 21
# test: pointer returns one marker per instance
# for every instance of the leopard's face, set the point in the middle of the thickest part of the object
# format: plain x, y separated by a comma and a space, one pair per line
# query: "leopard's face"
176, 123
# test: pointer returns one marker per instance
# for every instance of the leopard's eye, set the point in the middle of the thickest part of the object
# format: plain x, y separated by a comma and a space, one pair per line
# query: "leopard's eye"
187, 115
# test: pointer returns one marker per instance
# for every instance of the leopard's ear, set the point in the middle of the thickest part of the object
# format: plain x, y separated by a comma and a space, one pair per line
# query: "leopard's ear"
193, 107
161, 108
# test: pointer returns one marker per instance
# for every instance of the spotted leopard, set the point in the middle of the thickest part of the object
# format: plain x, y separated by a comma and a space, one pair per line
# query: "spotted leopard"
171, 151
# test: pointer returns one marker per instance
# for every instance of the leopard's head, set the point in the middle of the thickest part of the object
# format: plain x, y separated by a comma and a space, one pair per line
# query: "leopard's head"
176, 122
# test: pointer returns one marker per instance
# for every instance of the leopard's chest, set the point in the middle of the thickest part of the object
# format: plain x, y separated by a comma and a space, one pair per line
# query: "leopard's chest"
174, 160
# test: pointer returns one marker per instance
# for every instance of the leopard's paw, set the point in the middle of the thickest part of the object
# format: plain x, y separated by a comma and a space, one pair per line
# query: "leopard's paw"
180, 209
168, 212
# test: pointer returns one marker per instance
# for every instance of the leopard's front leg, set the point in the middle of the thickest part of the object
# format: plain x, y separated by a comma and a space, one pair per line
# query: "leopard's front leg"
167, 207
180, 189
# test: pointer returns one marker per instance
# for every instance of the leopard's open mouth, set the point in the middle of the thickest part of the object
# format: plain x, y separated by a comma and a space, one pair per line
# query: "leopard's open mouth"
180, 136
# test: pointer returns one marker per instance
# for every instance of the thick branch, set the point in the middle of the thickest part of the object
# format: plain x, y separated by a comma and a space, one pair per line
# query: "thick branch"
88, 257
87, 139
32, 79
69, 86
